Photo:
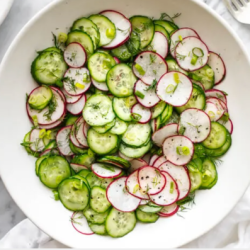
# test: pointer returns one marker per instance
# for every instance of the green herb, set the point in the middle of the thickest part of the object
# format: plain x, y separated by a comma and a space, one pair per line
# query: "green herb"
107, 167
225, 93
27, 97
180, 57
70, 82
152, 86
154, 71
225, 118
26, 144
73, 219
56, 195
152, 58
139, 94
51, 109
165, 16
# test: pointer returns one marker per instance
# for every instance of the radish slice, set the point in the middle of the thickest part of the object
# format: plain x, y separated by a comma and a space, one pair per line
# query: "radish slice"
133, 187
151, 180
124, 156
59, 91
52, 125
187, 49
123, 28
80, 223
69, 98
194, 124
75, 55
105, 170
49, 152
178, 36
169, 194
180, 175
117, 60
36, 143
154, 125
73, 137
76, 81
213, 112
146, 158
85, 129
199, 84
218, 66
160, 135
77, 167
153, 159
144, 202
42, 115
136, 164
100, 85
120, 199
159, 161
168, 211
221, 106
149, 67
144, 113
174, 88
150, 98
178, 149
217, 94
62, 140
228, 125
76, 108
80, 137
159, 44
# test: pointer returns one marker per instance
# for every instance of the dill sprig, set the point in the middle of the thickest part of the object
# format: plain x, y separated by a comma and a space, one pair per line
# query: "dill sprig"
152, 86
70, 82
51, 108
165, 16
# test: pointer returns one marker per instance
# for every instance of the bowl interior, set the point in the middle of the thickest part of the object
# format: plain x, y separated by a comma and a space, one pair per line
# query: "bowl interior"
18, 169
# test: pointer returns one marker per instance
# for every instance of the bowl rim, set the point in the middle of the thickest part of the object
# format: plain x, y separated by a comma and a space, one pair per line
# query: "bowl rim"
56, 2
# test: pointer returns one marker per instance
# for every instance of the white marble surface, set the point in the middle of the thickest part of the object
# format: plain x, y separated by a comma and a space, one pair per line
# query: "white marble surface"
21, 12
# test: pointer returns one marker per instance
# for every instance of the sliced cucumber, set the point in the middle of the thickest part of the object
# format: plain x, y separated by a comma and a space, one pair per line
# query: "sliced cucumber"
38, 162
119, 223
133, 44
150, 209
146, 217
104, 129
158, 109
70, 120
94, 217
98, 229
173, 66
135, 152
83, 179
121, 80
122, 53
84, 173
170, 27
166, 114
116, 161
119, 128
93, 180
161, 29
196, 179
84, 159
209, 174
98, 200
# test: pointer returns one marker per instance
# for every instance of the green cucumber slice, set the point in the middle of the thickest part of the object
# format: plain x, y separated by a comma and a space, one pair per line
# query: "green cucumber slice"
98, 200
94, 217
146, 217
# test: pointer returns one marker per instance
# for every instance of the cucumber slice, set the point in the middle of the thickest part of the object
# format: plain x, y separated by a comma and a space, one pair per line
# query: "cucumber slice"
94, 217
217, 137
166, 114
48, 68
121, 80
195, 178
122, 53
74, 194
209, 174
119, 224
71, 119
83, 159
149, 208
82, 38
161, 29
119, 128
99, 65
146, 217
205, 75
136, 134
93, 180
98, 110
116, 161
53, 170
55, 49
101, 143
98, 200
86, 25
135, 152
170, 27
133, 44
143, 26
158, 109
38, 162
122, 107
104, 129
98, 229
83, 179
173, 66
83, 173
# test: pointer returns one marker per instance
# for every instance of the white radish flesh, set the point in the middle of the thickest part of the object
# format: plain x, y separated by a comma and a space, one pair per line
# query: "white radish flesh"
85, 129
159, 44
144, 113
105, 170
125, 157
213, 112
136, 164
69, 98
100, 85
80, 136
52, 125
228, 125
153, 159
62, 140
221, 106
217, 94
73, 136
168, 211
80, 223
159, 161
36, 143
77, 167
76, 108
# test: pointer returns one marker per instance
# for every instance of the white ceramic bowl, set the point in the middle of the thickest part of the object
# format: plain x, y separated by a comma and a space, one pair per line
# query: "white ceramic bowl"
18, 169
5, 6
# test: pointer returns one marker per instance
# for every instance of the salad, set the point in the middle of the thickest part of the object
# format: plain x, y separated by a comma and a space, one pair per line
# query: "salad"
127, 122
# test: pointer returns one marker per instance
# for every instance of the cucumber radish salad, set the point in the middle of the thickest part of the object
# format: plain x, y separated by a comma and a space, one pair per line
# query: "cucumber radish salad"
126, 121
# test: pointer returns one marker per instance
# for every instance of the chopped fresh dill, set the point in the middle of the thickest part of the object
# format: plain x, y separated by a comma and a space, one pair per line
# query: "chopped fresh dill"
70, 82
51, 108
152, 58
152, 86
181, 57
165, 16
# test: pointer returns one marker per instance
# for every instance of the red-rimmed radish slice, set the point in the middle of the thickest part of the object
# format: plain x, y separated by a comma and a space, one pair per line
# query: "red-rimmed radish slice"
199, 84
136, 164
103, 170
120, 198
187, 49
85, 128
213, 112
159, 161
123, 28
75, 55
43, 117
59, 91
117, 60
161, 134
100, 85
154, 125
159, 44
77, 167
76, 81
178, 36
133, 187
151, 180
153, 159
73, 136
174, 88
144, 113
169, 194
76, 108
218, 66
180, 175
113, 163
50, 151
62, 140
80, 223
80, 136
168, 211
124, 156
178, 149
36, 143
224, 105
217, 94
146, 158
149, 67
69, 98
52, 125
194, 124
150, 99
144, 202
219, 104
228, 125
